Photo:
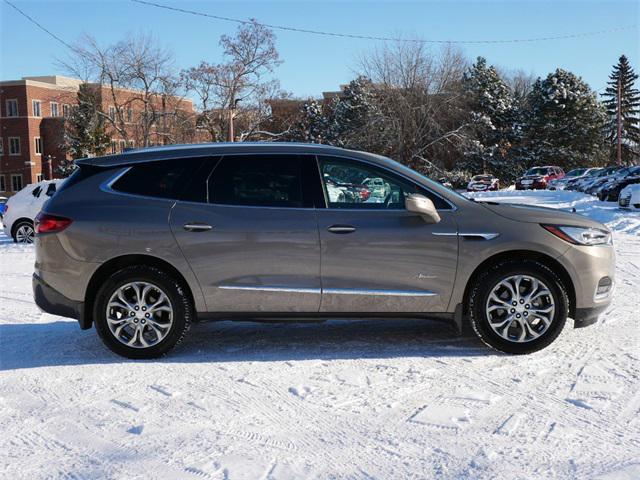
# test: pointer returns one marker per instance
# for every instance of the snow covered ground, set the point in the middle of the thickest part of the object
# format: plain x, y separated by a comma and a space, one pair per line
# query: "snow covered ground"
359, 399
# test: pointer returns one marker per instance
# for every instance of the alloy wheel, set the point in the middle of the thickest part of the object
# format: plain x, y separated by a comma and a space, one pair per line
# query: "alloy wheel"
139, 314
520, 308
25, 234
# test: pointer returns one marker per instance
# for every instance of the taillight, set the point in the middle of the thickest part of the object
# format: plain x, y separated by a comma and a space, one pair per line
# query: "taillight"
46, 223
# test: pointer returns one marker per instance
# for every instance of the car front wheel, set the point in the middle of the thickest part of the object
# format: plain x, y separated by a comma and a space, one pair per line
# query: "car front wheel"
518, 306
142, 312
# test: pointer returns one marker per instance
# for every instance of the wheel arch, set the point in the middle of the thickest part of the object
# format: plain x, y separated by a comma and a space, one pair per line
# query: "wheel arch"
544, 259
118, 263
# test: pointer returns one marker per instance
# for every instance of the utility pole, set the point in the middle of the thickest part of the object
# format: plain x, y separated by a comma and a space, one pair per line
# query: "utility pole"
619, 120
233, 105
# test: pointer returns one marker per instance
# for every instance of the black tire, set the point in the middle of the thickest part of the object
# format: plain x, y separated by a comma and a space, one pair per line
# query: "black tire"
482, 288
183, 311
19, 224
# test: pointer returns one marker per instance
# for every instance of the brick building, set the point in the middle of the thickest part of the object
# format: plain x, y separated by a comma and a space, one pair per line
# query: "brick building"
32, 112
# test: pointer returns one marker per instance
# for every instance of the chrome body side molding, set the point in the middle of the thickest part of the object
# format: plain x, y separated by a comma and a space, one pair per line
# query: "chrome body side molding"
472, 235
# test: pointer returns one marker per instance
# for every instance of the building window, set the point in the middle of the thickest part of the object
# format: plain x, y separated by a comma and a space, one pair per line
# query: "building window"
38, 141
16, 182
1, 146
37, 112
14, 145
54, 109
65, 111
123, 145
12, 107
114, 146
112, 112
39, 177
3, 187
129, 115
131, 143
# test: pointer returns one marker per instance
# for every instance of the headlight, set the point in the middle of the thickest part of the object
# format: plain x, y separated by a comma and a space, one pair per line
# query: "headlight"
580, 235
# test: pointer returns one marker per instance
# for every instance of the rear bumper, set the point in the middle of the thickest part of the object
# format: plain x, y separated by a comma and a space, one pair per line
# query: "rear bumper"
51, 301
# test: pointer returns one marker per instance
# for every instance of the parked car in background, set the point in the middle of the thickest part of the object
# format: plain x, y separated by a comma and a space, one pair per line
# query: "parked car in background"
143, 243
571, 176
446, 183
3, 206
611, 190
378, 187
581, 183
481, 183
615, 174
21, 209
630, 197
537, 178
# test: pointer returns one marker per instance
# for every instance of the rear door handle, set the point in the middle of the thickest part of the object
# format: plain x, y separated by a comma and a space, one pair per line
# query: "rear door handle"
341, 229
197, 227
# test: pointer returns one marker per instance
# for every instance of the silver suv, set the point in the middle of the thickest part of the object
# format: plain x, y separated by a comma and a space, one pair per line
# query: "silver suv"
144, 243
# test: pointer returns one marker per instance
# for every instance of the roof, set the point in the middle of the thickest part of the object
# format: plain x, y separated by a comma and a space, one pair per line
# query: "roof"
167, 152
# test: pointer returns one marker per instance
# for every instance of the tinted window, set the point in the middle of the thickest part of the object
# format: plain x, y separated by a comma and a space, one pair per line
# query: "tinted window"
259, 180
352, 184
163, 179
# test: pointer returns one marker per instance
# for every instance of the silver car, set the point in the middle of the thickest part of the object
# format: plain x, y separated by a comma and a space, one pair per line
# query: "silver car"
144, 243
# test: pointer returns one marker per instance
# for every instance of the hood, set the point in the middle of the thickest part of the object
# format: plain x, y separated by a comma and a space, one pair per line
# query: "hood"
531, 214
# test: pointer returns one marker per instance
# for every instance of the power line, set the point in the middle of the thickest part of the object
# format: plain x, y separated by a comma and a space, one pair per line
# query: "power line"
386, 39
39, 25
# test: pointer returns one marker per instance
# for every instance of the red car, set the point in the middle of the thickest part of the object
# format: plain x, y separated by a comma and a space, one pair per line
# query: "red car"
537, 178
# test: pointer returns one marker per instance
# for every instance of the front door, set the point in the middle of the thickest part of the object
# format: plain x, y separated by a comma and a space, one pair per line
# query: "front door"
375, 255
254, 246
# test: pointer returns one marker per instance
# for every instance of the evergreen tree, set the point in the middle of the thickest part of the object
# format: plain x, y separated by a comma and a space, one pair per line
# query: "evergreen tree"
493, 112
565, 123
84, 133
624, 76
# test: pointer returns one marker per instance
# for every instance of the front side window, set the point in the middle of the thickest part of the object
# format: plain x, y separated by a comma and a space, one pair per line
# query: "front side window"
259, 181
12, 107
37, 112
16, 182
14, 145
358, 185
161, 179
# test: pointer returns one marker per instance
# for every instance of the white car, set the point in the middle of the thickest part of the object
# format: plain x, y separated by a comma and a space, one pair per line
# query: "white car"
22, 208
630, 197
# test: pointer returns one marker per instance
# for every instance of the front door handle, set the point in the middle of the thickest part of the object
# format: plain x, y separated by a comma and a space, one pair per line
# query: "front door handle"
341, 229
197, 227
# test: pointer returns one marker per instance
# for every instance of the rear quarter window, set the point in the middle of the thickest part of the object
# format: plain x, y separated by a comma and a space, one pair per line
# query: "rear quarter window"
163, 179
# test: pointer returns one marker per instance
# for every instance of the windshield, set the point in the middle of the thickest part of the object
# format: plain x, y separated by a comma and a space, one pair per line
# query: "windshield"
537, 171
594, 172
576, 173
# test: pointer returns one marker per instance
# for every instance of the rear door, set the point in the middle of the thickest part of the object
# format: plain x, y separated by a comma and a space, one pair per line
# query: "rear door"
378, 257
253, 243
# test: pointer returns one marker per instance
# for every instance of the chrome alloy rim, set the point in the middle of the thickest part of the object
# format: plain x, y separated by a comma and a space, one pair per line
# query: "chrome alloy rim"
520, 308
24, 234
139, 314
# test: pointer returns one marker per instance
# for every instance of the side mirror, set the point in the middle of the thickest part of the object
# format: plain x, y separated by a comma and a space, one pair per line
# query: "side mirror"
424, 207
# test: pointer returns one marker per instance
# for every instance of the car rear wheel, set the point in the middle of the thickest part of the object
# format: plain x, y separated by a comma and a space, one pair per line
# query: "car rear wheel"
23, 232
142, 312
518, 306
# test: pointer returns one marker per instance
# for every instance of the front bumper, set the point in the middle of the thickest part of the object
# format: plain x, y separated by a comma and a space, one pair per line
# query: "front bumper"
51, 301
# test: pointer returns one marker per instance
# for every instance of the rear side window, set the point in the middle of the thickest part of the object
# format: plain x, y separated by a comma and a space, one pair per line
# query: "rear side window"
259, 181
162, 179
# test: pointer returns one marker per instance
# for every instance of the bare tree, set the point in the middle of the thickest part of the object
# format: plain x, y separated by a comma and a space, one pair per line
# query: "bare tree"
250, 56
137, 83
420, 101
